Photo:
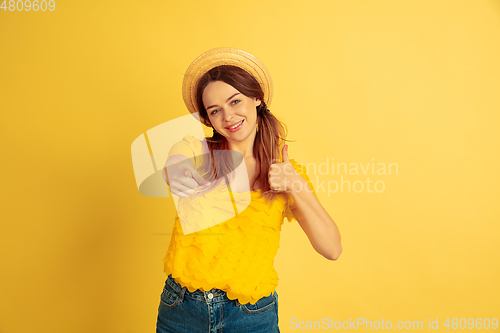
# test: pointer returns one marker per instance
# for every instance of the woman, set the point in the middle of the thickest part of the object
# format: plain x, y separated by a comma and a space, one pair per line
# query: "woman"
220, 259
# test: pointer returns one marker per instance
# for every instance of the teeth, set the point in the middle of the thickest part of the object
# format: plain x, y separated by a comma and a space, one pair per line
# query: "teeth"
238, 124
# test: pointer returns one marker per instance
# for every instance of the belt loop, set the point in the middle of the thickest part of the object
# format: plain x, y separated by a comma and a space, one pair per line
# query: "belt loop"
183, 291
237, 302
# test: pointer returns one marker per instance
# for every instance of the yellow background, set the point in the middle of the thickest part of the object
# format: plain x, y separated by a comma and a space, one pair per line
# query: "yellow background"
409, 82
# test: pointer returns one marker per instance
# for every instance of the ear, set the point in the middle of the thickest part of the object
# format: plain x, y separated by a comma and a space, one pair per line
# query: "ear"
257, 102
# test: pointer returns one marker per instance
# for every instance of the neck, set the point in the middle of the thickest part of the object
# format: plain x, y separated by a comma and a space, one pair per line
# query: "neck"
245, 147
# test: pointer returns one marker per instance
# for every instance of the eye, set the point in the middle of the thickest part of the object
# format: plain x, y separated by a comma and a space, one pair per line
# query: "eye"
236, 101
214, 112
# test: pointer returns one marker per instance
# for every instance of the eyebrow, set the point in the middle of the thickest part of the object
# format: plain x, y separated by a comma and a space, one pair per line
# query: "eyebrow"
227, 100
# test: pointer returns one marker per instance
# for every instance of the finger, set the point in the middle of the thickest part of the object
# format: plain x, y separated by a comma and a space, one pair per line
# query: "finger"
179, 187
273, 170
181, 191
199, 179
180, 194
272, 182
187, 182
284, 154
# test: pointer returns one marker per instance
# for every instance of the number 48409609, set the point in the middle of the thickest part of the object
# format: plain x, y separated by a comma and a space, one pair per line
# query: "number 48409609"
28, 5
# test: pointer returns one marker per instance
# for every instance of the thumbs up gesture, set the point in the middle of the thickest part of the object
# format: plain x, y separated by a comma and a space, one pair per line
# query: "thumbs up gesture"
282, 175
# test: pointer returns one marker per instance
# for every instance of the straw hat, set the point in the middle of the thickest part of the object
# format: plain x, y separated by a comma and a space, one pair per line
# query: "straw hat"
224, 56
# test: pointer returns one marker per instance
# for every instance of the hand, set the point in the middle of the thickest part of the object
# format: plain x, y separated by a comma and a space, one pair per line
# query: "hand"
184, 179
282, 175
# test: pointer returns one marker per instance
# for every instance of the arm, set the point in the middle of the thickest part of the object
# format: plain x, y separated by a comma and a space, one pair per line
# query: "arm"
311, 215
319, 227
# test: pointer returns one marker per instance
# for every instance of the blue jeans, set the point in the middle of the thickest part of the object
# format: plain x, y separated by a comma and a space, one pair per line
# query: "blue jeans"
212, 312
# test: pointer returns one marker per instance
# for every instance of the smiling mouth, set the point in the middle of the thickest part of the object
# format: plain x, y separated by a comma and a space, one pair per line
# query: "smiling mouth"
235, 125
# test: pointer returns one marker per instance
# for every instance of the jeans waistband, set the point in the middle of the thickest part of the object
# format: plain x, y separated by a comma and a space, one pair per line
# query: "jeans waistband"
211, 296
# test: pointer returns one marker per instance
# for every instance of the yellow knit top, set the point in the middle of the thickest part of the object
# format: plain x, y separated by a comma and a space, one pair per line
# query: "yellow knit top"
236, 255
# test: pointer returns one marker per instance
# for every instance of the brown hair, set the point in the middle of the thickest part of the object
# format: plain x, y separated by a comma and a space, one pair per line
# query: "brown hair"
270, 137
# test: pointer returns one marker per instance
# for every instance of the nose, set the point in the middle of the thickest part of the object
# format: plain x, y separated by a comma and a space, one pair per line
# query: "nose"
228, 115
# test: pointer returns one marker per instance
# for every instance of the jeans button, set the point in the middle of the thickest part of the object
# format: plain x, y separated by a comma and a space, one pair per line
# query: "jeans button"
210, 296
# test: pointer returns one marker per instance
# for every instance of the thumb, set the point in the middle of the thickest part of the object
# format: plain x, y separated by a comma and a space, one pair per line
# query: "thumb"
284, 154
196, 176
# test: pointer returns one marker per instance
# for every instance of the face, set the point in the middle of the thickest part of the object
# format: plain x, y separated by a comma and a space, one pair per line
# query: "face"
227, 107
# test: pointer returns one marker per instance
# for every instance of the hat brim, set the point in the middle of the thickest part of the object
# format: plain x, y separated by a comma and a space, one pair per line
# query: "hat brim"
224, 56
